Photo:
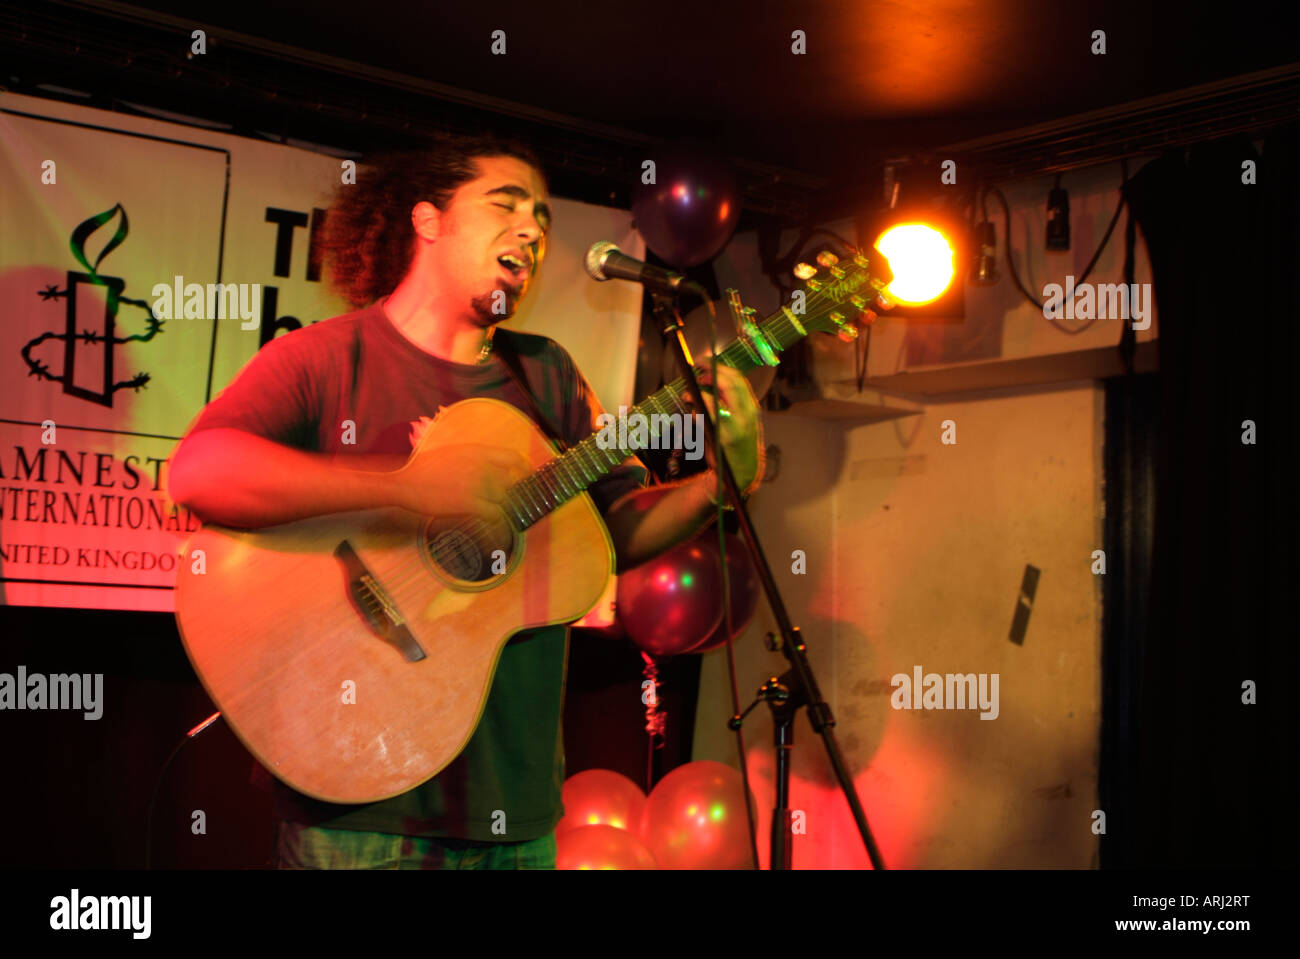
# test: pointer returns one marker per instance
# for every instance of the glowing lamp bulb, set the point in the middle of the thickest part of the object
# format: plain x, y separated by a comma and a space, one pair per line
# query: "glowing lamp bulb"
922, 261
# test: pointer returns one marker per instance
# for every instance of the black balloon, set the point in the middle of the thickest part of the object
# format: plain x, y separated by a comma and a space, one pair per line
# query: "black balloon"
689, 213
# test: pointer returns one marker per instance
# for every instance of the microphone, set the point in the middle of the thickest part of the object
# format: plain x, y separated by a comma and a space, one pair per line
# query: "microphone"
606, 262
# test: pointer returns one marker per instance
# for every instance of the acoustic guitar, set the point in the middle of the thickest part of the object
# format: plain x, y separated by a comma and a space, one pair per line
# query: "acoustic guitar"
353, 653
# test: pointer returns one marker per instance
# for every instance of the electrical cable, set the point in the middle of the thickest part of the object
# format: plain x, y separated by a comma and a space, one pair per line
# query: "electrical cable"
157, 786
861, 371
1011, 263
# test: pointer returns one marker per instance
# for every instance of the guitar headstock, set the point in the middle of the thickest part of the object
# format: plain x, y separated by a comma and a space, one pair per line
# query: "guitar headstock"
836, 292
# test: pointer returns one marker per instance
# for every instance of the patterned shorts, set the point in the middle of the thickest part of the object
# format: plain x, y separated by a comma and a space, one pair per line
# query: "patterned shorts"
313, 847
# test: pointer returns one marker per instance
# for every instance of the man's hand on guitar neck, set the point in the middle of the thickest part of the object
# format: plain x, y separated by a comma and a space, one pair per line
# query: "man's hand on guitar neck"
645, 523
741, 427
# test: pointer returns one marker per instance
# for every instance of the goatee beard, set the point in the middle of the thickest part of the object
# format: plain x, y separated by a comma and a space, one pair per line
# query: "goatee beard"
492, 308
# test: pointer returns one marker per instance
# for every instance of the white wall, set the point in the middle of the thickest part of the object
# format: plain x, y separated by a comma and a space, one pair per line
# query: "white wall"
915, 554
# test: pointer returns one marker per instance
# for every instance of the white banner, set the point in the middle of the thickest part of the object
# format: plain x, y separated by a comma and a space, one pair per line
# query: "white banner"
98, 213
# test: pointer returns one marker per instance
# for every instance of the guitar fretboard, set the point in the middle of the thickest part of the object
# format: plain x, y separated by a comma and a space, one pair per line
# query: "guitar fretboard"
567, 475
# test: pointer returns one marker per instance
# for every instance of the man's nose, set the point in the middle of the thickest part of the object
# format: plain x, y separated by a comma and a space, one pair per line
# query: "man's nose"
534, 239
528, 229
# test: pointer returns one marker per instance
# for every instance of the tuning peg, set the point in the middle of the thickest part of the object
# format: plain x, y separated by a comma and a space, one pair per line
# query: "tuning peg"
847, 331
805, 271
749, 334
827, 258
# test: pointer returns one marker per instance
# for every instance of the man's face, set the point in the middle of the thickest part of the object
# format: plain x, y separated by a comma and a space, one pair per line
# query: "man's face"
491, 239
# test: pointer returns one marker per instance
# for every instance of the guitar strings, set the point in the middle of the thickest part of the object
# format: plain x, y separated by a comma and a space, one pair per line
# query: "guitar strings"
472, 530
468, 533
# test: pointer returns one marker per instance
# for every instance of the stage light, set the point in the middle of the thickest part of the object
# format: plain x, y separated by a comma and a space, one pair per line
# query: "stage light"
922, 226
922, 259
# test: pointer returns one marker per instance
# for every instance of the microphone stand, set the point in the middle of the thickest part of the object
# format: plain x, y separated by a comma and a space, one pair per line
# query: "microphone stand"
796, 687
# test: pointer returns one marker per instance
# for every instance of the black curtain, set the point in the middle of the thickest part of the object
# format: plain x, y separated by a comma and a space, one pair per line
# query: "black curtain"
1200, 532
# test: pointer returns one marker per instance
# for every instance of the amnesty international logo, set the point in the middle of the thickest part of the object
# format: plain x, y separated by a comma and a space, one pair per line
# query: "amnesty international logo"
112, 288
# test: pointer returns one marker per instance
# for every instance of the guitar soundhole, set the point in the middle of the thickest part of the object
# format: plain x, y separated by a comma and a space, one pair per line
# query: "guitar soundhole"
464, 549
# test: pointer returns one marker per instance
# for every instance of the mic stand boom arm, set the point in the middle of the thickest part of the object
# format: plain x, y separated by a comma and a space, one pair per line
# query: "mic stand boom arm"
799, 680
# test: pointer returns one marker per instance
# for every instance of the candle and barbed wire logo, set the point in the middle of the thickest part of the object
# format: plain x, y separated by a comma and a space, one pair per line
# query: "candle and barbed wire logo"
112, 288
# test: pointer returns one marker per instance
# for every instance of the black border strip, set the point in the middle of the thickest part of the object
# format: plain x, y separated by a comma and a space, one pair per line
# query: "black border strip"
77, 582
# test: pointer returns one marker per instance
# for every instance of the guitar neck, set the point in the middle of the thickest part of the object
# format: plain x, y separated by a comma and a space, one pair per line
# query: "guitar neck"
583, 464
588, 461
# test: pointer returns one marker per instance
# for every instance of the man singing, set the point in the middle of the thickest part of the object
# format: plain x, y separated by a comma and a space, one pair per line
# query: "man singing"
435, 250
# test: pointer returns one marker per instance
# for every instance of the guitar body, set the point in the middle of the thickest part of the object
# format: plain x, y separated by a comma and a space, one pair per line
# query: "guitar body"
349, 657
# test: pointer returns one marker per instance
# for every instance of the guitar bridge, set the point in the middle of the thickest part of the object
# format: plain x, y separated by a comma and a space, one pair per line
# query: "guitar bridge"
373, 604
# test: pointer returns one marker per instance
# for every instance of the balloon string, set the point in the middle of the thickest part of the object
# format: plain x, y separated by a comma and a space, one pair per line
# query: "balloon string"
655, 721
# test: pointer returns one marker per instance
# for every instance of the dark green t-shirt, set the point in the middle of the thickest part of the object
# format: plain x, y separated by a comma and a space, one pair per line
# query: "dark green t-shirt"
298, 390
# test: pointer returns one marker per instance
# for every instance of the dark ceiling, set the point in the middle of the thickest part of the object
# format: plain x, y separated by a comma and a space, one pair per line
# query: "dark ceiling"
879, 79
893, 74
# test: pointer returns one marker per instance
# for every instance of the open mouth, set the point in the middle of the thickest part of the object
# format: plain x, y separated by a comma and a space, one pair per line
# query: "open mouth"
517, 268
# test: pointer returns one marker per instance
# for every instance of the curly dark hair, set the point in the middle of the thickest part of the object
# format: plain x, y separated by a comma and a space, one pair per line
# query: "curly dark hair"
367, 239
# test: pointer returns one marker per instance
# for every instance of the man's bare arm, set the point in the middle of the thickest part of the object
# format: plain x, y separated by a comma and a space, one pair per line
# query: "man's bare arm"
646, 522
239, 479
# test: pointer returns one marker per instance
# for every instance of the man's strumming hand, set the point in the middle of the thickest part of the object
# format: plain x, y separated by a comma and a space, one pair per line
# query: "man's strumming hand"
464, 479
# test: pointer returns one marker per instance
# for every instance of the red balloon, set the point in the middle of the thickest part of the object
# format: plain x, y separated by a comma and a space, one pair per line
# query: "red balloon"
745, 590
695, 819
689, 213
601, 797
601, 847
671, 603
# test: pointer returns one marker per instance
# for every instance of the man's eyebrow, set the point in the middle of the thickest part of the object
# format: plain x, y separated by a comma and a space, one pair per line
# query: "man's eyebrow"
518, 192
